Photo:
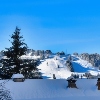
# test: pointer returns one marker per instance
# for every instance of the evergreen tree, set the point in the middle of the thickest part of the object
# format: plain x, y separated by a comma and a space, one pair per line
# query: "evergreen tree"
69, 64
17, 49
14, 64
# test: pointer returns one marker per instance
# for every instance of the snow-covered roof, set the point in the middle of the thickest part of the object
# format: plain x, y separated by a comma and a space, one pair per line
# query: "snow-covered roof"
71, 77
17, 76
35, 89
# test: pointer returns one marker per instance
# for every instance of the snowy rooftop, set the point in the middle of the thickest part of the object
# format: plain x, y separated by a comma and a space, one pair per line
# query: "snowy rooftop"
17, 76
44, 89
71, 77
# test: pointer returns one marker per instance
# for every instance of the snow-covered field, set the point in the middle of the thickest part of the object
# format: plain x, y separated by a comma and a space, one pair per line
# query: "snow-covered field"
44, 89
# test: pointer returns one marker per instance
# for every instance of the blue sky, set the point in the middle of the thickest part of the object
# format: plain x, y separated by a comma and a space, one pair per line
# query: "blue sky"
58, 25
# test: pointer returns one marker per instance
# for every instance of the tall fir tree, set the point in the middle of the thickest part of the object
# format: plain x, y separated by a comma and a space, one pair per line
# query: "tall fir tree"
24, 66
17, 49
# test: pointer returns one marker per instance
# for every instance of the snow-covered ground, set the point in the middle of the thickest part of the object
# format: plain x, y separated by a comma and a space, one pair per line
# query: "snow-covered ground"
29, 57
82, 66
49, 66
54, 89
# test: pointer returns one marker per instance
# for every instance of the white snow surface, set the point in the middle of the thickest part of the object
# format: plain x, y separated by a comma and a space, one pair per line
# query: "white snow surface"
84, 63
51, 68
85, 66
29, 57
80, 67
54, 89
17, 76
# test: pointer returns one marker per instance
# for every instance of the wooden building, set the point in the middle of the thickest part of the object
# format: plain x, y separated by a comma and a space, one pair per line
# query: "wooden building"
98, 83
71, 82
18, 78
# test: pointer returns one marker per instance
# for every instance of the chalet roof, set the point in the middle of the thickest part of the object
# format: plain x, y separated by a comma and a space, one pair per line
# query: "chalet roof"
71, 77
17, 76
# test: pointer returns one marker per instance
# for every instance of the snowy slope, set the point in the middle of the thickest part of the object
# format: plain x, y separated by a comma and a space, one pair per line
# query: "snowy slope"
83, 63
51, 68
80, 67
39, 89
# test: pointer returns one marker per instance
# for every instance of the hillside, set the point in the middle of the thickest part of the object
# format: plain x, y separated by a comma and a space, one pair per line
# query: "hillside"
52, 67
49, 66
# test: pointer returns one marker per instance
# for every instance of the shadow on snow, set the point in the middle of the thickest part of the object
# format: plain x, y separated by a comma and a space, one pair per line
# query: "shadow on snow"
80, 69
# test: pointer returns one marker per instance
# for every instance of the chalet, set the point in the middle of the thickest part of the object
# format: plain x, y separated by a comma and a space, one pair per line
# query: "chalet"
98, 83
71, 82
18, 78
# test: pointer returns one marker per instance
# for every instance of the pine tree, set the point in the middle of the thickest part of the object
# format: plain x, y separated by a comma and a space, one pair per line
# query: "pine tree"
14, 64
17, 49
69, 64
